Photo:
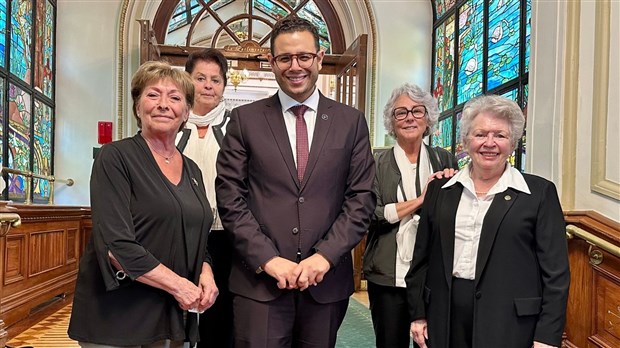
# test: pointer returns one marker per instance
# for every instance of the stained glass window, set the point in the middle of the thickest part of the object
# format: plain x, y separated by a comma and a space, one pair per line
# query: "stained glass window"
442, 6
444, 65
471, 42
1, 124
492, 41
42, 150
27, 94
44, 35
21, 38
528, 32
503, 41
2, 30
19, 139
443, 134
264, 13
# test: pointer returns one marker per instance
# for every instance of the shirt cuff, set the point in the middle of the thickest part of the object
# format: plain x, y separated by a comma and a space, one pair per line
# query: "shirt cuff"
390, 214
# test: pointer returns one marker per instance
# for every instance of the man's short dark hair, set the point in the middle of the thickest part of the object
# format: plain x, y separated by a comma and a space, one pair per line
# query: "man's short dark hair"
293, 23
208, 55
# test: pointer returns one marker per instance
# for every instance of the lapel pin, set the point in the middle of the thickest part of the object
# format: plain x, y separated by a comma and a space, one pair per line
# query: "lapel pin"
195, 181
507, 197
324, 117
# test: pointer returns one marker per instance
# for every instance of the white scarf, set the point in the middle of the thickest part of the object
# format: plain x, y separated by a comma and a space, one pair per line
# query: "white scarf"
408, 229
212, 117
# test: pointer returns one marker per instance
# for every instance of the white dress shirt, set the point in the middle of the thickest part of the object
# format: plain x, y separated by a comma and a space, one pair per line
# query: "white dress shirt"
289, 118
470, 216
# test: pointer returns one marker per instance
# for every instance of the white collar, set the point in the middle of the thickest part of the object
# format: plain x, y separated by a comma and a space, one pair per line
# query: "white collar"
287, 102
510, 178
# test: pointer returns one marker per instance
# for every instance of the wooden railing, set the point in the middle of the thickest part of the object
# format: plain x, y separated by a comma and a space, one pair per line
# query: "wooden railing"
28, 182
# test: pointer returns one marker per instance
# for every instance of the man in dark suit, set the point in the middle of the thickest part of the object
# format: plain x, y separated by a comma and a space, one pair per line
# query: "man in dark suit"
294, 187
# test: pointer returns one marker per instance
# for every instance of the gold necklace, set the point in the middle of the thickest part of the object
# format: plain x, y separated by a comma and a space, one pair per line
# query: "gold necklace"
166, 158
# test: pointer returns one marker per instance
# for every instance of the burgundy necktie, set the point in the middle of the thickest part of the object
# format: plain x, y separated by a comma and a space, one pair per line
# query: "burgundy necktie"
301, 133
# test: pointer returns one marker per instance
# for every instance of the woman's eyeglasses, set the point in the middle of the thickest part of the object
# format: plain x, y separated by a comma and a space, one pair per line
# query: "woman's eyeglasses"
285, 61
402, 112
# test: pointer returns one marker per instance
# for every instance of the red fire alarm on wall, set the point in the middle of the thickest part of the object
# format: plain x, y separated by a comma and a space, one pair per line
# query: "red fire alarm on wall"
104, 132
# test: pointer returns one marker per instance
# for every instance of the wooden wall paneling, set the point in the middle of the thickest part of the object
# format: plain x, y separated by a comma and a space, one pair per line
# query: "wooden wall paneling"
47, 251
40, 259
593, 313
606, 320
72, 245
579, 313
15, 259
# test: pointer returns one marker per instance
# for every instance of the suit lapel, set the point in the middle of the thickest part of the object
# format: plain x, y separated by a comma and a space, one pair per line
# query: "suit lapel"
275, 120
490, 226
449, 205
321, 129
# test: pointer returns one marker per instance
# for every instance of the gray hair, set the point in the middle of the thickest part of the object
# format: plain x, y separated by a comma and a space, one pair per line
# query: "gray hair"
498, 106
419, 96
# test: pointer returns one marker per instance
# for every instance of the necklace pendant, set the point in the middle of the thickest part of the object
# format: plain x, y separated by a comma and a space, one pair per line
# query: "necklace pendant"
167, 160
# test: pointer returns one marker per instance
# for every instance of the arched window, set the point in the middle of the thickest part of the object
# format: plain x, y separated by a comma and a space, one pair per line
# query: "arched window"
27, 61
234, 22
480, 47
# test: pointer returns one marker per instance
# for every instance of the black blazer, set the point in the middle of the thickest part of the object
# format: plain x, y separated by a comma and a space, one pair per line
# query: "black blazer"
522, 274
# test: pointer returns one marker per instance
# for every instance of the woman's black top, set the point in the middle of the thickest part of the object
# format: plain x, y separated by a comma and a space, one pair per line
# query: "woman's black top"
143, 220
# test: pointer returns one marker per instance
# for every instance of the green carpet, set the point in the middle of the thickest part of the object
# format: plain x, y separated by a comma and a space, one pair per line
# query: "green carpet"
356, 330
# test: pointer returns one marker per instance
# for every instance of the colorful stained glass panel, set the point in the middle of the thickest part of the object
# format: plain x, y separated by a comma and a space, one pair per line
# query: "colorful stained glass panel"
460, 151
526, 92
1, 123
443, 6
503, 41
42, 150
312, 13
19, 140
471, 44
512, 94
21, 38
528, 32
270, 8
44, 48
443, 88
442, 136
2, 31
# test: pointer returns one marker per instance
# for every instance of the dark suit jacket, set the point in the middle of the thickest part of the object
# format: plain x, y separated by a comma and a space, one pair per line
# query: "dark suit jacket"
522, 275
270, 213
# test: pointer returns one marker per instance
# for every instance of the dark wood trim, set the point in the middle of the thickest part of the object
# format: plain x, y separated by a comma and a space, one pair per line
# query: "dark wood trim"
336, 35
595, 223
162, 18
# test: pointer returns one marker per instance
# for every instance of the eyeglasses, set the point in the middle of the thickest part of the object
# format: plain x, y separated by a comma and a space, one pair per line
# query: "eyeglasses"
285, 61
402, 112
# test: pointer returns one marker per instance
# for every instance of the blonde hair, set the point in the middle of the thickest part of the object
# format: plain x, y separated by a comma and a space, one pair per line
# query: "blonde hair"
158, 70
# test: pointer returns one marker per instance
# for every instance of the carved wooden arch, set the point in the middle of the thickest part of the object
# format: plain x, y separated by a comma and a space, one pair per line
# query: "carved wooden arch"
166, 9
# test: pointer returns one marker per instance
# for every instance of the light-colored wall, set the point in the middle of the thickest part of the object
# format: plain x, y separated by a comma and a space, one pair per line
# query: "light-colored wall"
404, 32
570, 91
85, 89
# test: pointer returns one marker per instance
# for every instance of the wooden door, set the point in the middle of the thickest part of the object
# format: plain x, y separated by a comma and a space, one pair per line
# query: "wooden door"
351, 90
